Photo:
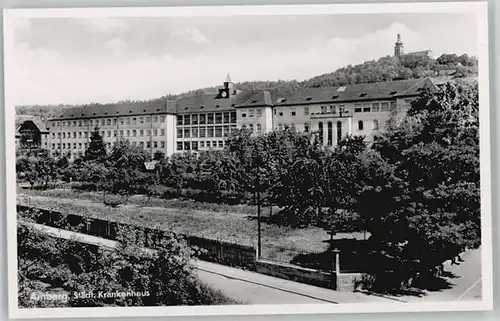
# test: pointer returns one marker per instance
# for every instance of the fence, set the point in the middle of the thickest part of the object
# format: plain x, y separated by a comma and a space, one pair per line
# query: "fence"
217, 251
319, 260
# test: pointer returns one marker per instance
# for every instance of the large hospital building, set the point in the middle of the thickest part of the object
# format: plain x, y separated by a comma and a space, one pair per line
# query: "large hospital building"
205, 121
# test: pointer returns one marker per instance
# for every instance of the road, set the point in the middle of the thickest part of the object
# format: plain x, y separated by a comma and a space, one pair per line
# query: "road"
254, 288
246, 286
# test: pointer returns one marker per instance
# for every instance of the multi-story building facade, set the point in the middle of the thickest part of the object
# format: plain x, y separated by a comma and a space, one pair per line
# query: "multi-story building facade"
206, 120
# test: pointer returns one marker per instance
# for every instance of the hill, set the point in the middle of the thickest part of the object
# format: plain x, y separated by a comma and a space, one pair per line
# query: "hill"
384, 69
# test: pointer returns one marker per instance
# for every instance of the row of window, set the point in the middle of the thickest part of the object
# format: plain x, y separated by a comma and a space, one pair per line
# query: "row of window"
251, 113
128, 132
110, 121
200, 145
258, 128
147, 144
209, 118
293, 112
202, 132
373, 107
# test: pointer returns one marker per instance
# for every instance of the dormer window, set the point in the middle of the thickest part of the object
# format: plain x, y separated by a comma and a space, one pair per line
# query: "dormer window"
254, 101
217, 106
393, 92
232, 105
335, 96
341, 88
308, 98
281, 100
363, 94
201, 107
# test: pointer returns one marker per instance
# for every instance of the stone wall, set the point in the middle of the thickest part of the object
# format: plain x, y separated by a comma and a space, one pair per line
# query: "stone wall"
296, 273
345, 281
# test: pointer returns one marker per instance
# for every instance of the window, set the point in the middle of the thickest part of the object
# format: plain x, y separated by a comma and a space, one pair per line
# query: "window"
226, 131
86, 145
187, 133
203, 131
195, 146
134, 133
141, 144
187, 146
155, 132
202, 144
218, 118
221, 143
63, 145
162, 144
357, 108
148, 132
162, 118
179, 120
80, 145
108, 122
233, 117
393, 105
293, 112
79, 134
214, 143
194, 119
320, 128
162, 132
74, 145
179, 145
141, 132
194, 132
226, 117
375, 124
109, 133
375, 107
202, 119
148, 144
251, 113
366, 107
74, 134
187, 120
155, 119
53, 146
218, 131
330, 133
127, 121
114, 133
259, 112
259, 128
360, 125
250, 127
128, 132
306, 127
281, 113
59, 145
210, 132
114, 121
210, 118
384, 107
134, 121
103, 122
306, 111
74, 123
53, 135
85, 134
141, 120
148, 119
79, 123
121, 133
243, 115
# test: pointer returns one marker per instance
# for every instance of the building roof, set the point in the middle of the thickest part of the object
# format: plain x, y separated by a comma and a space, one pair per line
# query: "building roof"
119, 109
39, 123
348, 93
420, 53
205, 102
213, 102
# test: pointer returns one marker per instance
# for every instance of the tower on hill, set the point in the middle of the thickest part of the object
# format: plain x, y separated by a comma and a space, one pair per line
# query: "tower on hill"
398, 48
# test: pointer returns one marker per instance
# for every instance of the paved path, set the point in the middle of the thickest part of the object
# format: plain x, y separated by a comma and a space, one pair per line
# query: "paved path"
247, 286
464, 281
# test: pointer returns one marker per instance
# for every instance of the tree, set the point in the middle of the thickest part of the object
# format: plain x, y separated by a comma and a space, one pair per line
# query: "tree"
96, 150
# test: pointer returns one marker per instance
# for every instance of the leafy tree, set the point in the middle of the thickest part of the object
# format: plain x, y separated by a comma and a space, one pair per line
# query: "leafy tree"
96, 150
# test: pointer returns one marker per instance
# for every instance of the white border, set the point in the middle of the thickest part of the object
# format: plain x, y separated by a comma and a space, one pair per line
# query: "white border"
478, 8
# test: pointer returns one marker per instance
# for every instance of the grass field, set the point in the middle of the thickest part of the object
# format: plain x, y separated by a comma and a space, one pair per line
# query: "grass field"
183, 217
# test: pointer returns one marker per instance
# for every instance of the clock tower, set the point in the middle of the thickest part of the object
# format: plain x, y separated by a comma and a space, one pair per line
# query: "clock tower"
398, 47
228, 89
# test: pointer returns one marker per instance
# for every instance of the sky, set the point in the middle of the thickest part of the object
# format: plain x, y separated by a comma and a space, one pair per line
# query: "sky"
83, 60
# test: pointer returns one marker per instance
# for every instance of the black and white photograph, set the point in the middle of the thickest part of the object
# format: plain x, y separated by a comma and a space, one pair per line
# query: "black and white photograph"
248, 160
